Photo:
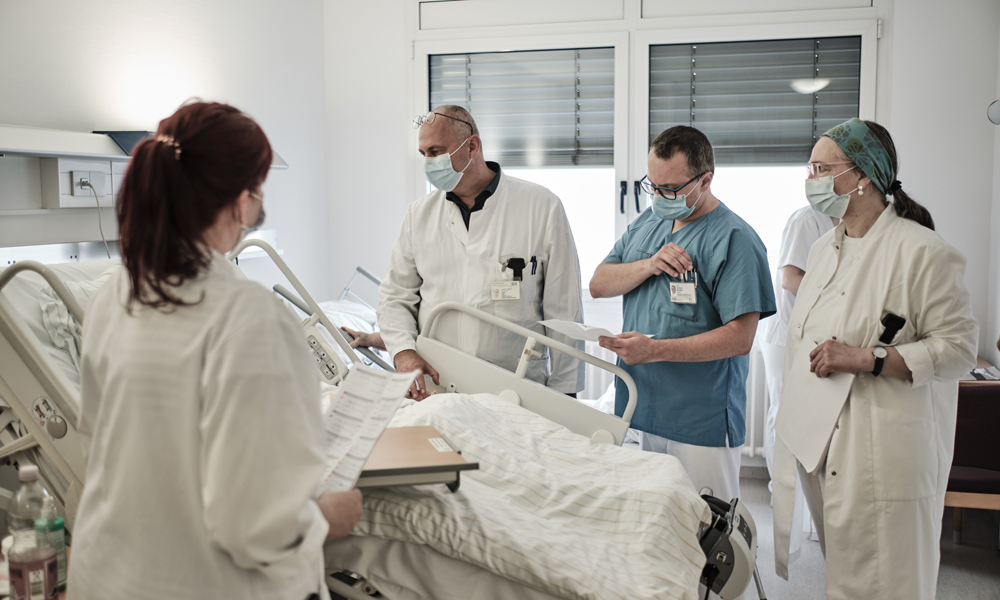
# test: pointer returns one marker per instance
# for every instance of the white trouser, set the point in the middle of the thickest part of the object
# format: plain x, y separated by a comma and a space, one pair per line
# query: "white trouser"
715, 468
802, 524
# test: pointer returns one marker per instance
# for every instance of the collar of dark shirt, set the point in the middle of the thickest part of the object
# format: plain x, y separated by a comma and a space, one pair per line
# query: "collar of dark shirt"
481, 198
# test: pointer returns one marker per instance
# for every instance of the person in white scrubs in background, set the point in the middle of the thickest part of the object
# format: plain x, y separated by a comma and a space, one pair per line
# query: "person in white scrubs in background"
803, 228
487, 240
200, 405
881, 330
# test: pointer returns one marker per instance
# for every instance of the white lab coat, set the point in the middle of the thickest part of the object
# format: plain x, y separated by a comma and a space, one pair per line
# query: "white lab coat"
201, 429
436, 259
884, 462
804, 227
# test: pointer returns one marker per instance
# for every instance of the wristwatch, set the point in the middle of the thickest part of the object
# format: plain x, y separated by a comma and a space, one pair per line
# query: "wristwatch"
880, 354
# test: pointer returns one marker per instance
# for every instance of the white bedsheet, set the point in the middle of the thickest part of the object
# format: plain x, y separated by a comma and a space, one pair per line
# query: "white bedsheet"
548, 508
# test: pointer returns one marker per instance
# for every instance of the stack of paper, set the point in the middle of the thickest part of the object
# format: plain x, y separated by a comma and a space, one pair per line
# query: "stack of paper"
359, 411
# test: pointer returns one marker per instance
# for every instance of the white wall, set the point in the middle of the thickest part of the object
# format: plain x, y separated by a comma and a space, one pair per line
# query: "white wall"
943, 77
88, 65
369, 132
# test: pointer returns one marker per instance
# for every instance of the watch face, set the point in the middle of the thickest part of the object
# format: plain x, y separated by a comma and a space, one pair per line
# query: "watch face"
880, 352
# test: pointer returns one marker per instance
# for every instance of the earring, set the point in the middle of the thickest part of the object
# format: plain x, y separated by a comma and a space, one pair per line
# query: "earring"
861, 190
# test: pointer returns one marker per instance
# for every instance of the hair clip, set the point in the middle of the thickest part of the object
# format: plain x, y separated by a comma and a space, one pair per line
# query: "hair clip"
166, 139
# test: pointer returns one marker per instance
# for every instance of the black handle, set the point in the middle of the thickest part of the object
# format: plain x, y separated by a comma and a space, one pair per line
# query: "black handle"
624, 192
637, 209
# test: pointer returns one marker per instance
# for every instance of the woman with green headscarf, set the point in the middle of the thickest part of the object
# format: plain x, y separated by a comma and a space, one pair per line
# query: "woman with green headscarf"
881, 330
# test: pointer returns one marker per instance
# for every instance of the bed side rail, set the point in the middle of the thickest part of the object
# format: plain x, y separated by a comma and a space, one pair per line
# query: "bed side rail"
347, 293
533, 339
314, 309
301, 305
57, 285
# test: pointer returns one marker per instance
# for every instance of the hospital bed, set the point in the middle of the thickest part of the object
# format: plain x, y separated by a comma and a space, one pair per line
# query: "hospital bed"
40, 389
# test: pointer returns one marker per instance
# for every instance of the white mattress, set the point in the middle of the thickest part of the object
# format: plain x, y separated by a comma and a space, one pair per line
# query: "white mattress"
548, 509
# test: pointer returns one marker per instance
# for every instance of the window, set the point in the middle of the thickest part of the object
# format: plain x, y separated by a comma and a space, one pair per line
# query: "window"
546, 116
763, 105
754, 100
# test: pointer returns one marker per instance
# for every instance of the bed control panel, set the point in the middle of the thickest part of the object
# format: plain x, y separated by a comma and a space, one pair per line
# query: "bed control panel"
332, 369
46, 415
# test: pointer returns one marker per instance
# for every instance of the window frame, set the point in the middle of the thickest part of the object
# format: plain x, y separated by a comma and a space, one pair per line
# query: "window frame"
867, 29
619, 40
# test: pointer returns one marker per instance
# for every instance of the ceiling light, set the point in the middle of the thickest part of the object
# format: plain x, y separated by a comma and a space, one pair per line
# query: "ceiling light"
809, 86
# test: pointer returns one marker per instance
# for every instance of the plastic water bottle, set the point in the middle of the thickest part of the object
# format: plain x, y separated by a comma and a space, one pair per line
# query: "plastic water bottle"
34, 569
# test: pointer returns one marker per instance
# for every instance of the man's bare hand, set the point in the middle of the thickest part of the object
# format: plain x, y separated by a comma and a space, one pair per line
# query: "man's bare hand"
670, 259
633, 347
341, 510
407, 361
368, 340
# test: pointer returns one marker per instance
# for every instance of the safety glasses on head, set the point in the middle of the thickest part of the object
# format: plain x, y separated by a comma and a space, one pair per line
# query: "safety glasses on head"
663, 191
430, 117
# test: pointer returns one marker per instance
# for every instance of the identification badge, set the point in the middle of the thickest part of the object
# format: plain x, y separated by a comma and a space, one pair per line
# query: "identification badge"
505, 290
684, 291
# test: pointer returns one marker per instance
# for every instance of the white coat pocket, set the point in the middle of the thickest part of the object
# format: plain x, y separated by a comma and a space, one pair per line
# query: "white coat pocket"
522, 310
904, 453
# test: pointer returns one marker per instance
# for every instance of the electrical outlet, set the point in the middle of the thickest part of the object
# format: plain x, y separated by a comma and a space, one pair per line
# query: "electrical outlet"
79, 178
94, 178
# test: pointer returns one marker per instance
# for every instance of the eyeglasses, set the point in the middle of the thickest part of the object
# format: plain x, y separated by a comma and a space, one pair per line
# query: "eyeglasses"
257, 196
662, 191
430, 117
819, 169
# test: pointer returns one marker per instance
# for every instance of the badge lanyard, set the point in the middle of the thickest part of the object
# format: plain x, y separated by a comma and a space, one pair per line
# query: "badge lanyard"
684, 290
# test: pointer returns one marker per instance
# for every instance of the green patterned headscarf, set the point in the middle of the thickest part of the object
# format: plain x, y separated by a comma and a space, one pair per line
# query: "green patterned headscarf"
864, 150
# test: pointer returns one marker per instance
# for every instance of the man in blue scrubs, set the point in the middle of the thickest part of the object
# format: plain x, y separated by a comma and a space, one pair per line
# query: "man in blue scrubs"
696, 282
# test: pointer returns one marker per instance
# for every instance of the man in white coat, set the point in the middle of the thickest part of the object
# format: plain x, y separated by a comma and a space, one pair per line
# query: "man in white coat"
485, 239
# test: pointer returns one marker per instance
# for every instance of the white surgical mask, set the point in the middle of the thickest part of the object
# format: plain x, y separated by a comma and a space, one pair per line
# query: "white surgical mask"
246, 230
441, 174
676, 209
820, 193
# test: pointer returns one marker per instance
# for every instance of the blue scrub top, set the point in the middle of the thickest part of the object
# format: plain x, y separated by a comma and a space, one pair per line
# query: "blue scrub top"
694, 403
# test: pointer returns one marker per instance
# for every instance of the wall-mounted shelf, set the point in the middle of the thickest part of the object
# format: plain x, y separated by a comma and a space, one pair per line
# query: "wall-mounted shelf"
40, 202
51, 143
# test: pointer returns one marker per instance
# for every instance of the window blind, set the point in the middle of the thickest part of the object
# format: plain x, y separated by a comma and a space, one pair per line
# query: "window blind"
546, 108
739, 94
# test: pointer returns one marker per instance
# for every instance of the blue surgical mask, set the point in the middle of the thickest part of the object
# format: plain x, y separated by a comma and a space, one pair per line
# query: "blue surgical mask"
673, 210
441, 174
820, 193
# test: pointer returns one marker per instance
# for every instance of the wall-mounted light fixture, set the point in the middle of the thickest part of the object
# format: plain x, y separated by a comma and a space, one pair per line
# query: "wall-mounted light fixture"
993, 112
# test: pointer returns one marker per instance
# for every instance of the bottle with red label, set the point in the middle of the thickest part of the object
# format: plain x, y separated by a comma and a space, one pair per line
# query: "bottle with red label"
34, 568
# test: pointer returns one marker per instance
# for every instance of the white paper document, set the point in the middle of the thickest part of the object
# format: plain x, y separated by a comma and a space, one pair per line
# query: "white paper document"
359, 411
579, 331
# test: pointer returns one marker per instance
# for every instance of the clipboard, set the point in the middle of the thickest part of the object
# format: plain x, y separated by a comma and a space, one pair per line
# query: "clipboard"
414, 455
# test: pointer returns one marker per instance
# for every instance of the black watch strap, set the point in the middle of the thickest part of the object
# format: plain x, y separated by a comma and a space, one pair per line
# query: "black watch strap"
879, 361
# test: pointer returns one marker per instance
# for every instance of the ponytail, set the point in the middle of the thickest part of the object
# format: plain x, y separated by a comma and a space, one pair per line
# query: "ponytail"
200, 161
908, 208
905, 207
